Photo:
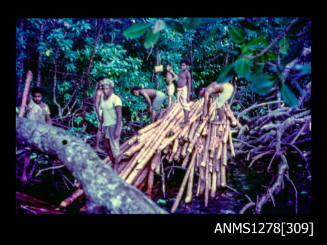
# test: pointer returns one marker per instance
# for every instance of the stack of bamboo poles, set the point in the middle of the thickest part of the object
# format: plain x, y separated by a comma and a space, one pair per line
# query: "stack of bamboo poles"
202, 145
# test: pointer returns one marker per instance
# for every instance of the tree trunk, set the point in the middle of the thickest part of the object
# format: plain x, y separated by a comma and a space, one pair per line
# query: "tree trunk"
86, 82
21, 67
38, 82
105, 191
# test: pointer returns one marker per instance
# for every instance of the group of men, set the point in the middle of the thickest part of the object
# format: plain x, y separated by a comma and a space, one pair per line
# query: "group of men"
108, 106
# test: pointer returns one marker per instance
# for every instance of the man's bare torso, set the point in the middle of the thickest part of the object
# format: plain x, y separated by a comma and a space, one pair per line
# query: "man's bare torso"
182, 78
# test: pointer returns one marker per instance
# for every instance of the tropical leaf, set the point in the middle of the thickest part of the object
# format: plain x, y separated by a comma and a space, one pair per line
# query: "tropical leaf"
237, 34
213, 33
226, 73
151, 39
192, 23
283, 46
242, 67
175, 25
288, 96
304, 69
158, 26
136, 30
258, 42
249, 25
261, 83
274, 24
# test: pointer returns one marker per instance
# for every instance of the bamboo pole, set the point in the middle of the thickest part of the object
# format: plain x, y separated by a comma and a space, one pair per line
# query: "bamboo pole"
132, 150
175, 145
185, 161
232, 117
130, 166
185, 149
28, 80
226, 133
188, 197
213, 184
231, 144
150, 182
141, 177
223, 175
143, 183
181, 190
78, 194
177, 154
206, 192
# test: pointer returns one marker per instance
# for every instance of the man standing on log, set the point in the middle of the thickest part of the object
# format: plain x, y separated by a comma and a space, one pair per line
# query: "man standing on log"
170, 78
35, 110
158, 98
110, 120
221, 92
184, 90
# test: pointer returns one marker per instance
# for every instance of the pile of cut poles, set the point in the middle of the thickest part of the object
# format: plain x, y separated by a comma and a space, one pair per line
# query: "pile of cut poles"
201, 144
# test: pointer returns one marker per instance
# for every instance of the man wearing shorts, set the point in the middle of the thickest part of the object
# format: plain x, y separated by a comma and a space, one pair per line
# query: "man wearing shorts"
110, 120
157, 97
221, 92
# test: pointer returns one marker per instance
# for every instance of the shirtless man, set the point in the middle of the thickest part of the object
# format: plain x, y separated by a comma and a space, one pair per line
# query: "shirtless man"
157, 97
184, 90
170, 78
221, 91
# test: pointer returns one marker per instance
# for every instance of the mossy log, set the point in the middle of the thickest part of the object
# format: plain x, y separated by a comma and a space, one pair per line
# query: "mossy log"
105, 191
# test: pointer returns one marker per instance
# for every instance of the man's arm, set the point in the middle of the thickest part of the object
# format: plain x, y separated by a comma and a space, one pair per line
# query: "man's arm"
48, 119
147, 98
119, 120
174, 76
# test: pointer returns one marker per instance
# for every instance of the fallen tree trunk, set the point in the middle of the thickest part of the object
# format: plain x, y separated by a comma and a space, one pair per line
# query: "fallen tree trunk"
106, 192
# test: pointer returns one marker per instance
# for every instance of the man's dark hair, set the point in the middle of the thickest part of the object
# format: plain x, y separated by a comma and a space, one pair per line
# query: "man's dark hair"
101, 78
168, 64
36, 90
186, 61
135, 88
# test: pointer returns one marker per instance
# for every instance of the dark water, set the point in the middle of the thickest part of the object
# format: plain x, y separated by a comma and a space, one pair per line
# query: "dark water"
244, 181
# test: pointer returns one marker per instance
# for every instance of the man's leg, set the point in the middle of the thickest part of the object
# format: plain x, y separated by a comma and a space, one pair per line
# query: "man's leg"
153, 115
186, 119
97, 142
109, 152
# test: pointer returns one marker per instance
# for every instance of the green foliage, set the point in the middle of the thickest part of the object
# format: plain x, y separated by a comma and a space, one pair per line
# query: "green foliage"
261, 83
288, 96
237, 34
124, 54
242, 67
136, 30
151, 38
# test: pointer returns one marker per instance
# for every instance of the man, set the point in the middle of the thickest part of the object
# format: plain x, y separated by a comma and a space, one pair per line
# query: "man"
170, 78
184, 90
221, 92
35, 110
110, 120
157, 97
